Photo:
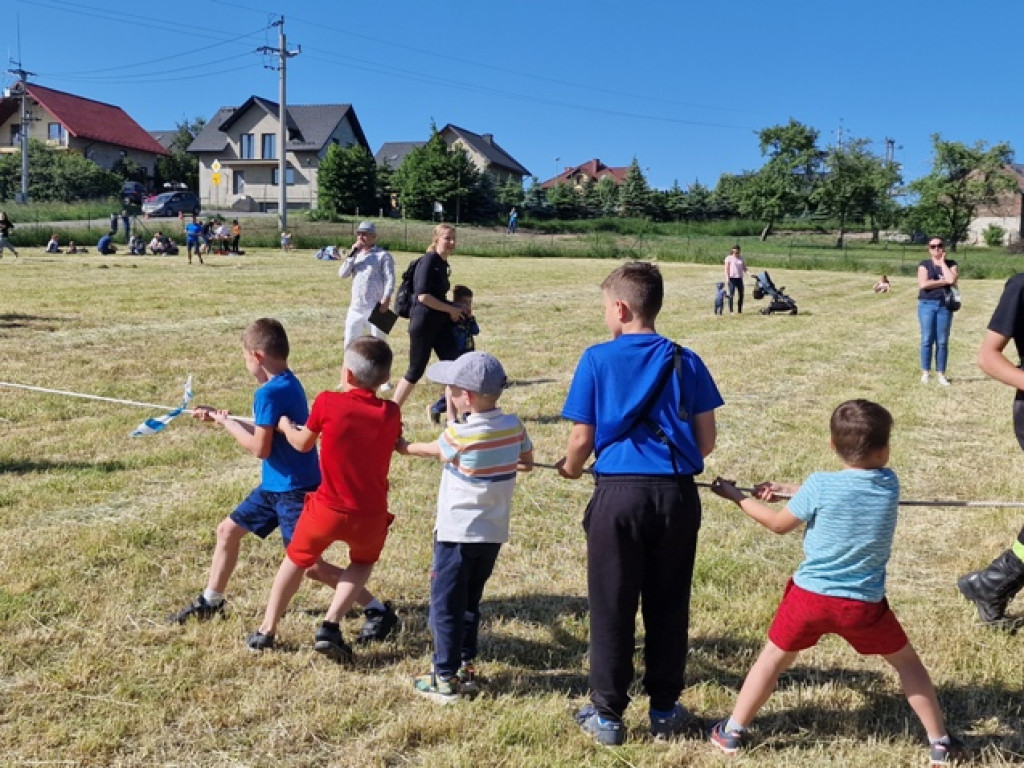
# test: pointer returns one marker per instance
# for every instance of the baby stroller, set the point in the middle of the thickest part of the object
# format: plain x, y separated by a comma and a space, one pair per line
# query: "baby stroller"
780, 302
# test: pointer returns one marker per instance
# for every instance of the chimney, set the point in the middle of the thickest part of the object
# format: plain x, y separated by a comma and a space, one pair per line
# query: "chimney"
488, 137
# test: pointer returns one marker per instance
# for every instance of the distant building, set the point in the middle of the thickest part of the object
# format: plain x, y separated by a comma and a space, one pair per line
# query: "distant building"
485, 153
99, 132
592, 170
1007, 212
243, 142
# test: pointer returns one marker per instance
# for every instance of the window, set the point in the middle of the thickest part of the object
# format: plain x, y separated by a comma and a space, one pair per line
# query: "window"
268, 143
289, 176
15, 134
55, 132
247, 146
238, 183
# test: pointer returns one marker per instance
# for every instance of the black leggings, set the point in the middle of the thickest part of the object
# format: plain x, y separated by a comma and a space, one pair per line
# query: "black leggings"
736, 286
429, 330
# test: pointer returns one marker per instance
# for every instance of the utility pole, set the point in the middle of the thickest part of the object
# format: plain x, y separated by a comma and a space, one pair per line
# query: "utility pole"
283, 55
21, 90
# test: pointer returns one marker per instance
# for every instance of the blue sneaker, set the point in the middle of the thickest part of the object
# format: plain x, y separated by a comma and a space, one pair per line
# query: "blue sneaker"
729, 742
667, 726
611, 733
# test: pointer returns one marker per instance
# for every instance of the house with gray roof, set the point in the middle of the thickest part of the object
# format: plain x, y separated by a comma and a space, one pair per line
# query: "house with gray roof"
242, 142
487, 155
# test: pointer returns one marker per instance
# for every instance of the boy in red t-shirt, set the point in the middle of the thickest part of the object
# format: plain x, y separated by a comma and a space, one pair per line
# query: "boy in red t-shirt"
358, 434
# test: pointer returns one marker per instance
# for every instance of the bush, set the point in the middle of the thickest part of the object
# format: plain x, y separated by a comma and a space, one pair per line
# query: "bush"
993, 235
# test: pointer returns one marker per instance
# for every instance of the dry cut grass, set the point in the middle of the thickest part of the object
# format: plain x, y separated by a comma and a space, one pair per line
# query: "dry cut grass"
102, 536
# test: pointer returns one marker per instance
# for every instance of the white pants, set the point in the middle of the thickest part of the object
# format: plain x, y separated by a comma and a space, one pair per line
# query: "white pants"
357, 323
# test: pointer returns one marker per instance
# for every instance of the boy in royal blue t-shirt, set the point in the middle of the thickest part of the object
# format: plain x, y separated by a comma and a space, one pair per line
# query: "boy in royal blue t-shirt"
287, 476
643, 519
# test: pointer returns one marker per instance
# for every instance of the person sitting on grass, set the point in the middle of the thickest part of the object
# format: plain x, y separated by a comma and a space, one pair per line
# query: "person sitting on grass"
106, 244
839, 588
481, 459
72, 248
358, 433
54, 245
287, 476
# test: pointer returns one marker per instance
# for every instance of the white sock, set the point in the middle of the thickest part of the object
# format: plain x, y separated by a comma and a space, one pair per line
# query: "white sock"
212, 596
375, 605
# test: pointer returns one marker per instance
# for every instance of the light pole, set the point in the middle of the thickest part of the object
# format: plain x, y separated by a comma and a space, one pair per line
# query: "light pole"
556, 165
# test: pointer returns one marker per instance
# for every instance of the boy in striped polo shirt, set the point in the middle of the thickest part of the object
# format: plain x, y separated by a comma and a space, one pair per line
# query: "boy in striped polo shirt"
481, 457
839, 588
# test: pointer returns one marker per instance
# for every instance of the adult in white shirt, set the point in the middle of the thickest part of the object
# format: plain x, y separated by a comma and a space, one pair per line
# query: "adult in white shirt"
372, 270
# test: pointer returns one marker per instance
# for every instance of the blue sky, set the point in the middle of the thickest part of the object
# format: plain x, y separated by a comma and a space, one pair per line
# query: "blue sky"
682, 86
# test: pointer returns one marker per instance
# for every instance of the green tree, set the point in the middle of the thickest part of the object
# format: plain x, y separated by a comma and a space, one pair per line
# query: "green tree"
564, 201
783, 186
962, 179
855, 183
634, 194
434, 173
535, 201
180, 167
56, 176
348, 180
511, 195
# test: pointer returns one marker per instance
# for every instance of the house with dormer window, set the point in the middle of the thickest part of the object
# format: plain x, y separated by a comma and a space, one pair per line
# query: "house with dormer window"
238, 152
98, 131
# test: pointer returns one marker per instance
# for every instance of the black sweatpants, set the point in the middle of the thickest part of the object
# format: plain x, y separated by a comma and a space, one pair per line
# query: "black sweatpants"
641, 543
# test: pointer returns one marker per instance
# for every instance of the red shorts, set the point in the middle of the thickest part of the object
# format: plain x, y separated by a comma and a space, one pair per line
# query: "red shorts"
320, 526
803, 617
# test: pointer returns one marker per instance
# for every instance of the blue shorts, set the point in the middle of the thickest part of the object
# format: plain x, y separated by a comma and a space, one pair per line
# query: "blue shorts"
263, 511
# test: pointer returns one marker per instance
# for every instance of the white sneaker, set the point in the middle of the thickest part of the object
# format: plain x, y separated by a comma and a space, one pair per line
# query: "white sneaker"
386, 387
942, 381
924, 377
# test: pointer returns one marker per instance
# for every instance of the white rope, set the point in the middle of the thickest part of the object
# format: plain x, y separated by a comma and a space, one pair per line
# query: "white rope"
116, 400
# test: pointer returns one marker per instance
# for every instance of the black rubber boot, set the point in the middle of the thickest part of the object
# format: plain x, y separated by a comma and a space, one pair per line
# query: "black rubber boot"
992, 588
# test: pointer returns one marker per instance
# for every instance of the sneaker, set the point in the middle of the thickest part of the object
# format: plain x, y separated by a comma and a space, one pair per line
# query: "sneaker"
469, 685
439, 689
665, 727
378, 624
609, 732
201, 609
434, 417
331, 644
942, 381
924, 377
728, 742
257, 641
947, 754
387, 386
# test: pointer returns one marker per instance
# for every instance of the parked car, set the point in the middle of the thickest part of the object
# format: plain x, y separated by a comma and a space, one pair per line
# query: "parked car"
172, 203
133, 192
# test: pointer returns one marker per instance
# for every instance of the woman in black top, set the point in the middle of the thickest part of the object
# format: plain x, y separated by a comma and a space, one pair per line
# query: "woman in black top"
5, 232
934, 275
432, 315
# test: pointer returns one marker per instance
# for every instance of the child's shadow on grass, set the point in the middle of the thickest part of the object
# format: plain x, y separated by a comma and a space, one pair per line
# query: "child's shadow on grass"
27, 467
19, 320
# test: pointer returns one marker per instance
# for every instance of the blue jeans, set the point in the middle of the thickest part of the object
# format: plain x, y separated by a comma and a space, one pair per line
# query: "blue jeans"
457, 580
935, 322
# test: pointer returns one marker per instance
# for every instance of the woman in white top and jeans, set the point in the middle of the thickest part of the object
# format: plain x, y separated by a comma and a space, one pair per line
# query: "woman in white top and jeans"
735, 269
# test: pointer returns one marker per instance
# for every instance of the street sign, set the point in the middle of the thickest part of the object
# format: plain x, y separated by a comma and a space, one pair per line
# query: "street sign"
215, 179
215, 166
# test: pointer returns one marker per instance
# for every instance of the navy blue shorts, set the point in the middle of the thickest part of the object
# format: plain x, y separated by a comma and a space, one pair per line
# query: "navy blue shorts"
263, 511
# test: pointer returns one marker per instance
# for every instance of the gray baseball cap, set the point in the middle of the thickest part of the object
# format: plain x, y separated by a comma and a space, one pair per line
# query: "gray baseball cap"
366, 226
476, 371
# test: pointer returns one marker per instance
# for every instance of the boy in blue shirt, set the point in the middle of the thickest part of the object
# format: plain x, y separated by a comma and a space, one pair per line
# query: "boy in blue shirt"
646, 407
287, 476
193, 231
839, 588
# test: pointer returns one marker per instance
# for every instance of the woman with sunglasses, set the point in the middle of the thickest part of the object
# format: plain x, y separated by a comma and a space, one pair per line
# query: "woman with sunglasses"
934, 275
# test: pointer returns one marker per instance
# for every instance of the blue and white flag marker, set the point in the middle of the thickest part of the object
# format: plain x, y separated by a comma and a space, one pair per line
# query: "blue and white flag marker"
152, 426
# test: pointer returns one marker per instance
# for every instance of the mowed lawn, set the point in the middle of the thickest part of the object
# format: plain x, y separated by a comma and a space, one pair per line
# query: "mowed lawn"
102, 535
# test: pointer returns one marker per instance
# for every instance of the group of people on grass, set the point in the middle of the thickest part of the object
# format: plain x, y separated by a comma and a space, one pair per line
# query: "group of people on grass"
645, 408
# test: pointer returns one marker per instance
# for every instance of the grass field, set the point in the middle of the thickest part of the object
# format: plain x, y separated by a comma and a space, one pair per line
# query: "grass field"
102, 536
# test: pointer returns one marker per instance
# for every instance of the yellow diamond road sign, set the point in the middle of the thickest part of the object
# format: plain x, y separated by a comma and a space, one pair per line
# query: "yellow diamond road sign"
215, 166
215, 179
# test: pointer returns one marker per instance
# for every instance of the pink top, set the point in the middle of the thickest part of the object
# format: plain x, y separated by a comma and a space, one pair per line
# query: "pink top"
735, 266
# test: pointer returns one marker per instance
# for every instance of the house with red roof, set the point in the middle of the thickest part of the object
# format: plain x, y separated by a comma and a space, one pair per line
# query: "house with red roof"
99, 132
592, 170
